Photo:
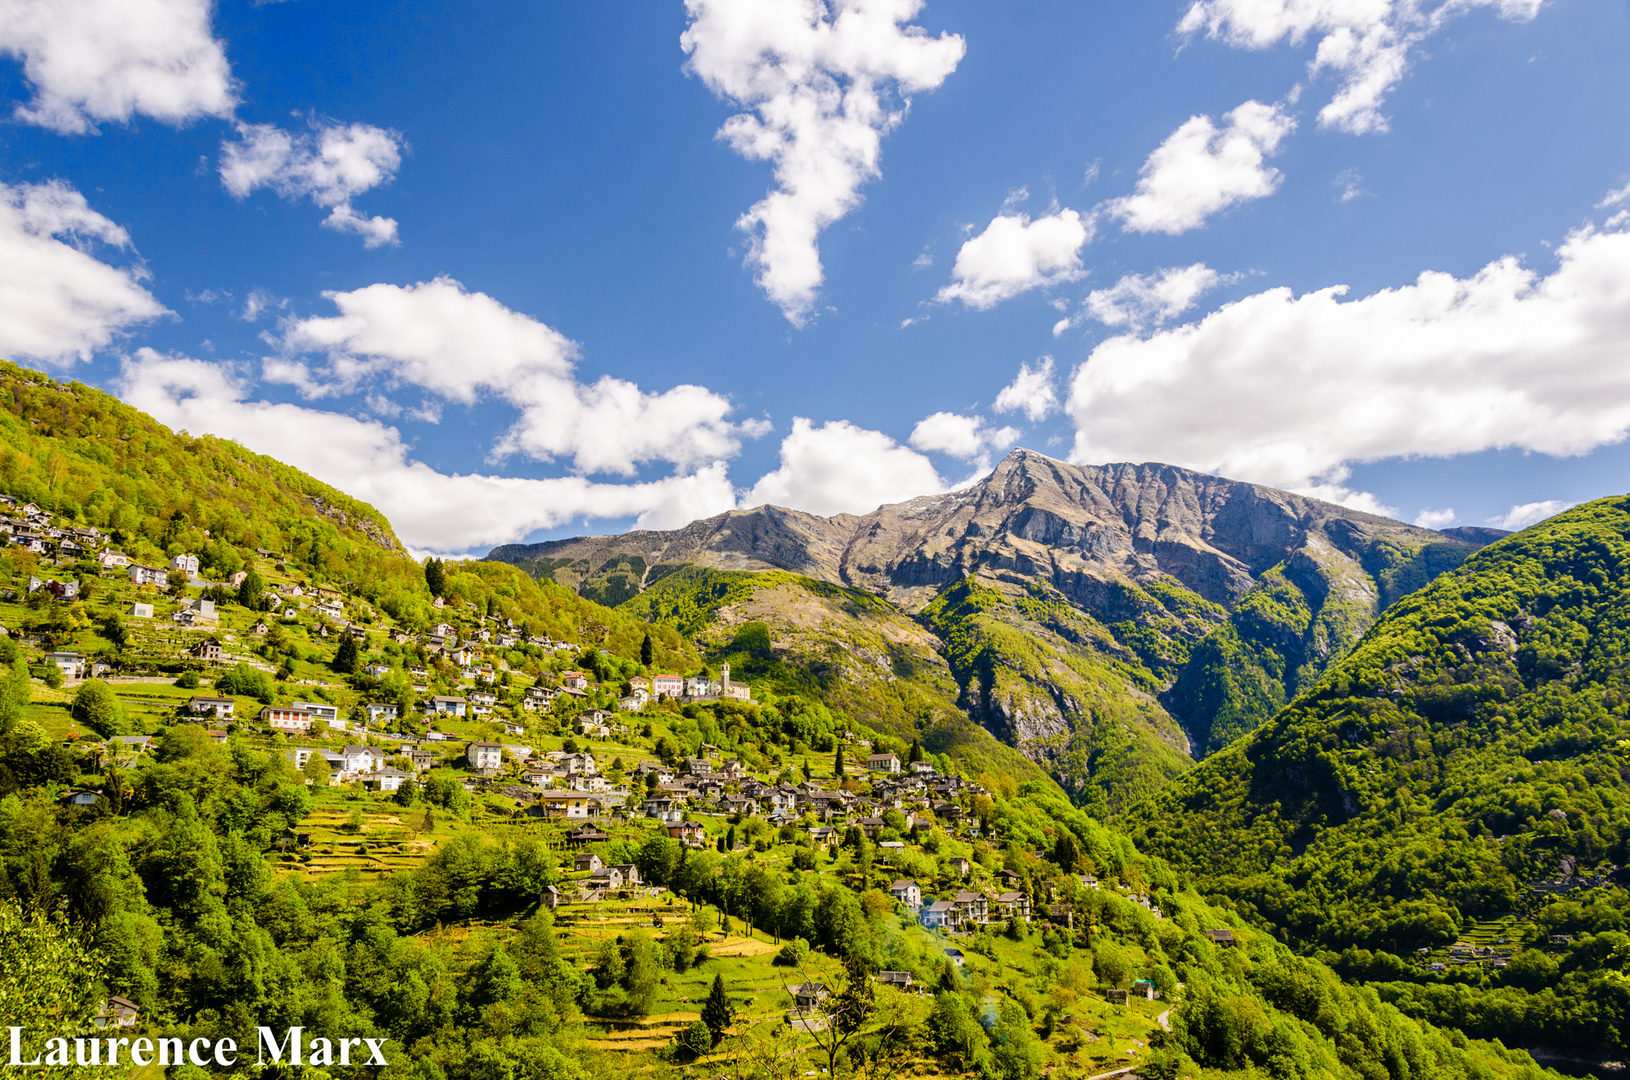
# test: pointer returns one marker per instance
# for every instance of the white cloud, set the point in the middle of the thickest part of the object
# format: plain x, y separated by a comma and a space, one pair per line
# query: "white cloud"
430, 510
59, 303
1614, 198
1350, 183
460, 345
1031, 392
1520, 517
1138, 300
1367, 43
1282, 389
331, 163
1435, 519
91, 60
1015, 254
819, 89
965, 437
839, 468
1333, 489
1202, 169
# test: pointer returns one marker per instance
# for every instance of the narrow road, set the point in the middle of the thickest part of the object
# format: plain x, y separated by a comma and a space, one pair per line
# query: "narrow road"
1115, 1072
1165, 1020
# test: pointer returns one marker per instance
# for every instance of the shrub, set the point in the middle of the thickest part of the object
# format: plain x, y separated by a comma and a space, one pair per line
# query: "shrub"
96, 707
793, 954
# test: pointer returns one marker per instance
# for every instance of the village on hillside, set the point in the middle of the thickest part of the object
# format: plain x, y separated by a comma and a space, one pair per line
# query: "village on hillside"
474, 700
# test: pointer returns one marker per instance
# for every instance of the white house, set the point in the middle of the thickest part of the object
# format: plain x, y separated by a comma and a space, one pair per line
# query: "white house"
185, 564
485, 755
451, 705
379, 712
71, 664
698, 686
388, 779
889, 763
321, 710
361, 759
149, 575
140, 611
908, 893
575, 680
110, 559
220, 708
667, 685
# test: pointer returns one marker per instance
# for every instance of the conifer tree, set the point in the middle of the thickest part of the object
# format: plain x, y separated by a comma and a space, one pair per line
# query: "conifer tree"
348, 655
648, 653
916, 753
717, 1013
837, 765
435, 576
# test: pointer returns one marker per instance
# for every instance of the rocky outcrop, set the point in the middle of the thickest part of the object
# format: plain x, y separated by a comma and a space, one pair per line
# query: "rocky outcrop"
362, 523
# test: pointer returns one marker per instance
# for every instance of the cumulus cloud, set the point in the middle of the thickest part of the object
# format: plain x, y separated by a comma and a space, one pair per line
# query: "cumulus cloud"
1332, 488
1139, 300
965, 437
1015, 254
1526, 514
331, 164
431, 510
1366, 43
1281, 389
460, 345
1202, 169
839, 468
1435, 519
819, 86
93, 60
1030, 392
58, 302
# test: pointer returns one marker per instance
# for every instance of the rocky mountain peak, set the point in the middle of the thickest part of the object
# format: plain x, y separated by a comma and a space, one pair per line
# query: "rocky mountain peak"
1077, 526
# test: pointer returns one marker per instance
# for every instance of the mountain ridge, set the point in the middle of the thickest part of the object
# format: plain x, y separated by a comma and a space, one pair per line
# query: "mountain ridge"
851, 550
1205, 602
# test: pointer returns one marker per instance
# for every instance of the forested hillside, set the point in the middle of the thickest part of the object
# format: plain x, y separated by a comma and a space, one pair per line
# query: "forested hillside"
1112, 623
1464, 767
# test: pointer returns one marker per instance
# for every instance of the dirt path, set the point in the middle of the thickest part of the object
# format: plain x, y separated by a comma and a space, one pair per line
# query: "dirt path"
1165, 1020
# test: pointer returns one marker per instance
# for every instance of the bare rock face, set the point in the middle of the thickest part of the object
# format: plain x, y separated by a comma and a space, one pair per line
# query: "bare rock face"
1077, 526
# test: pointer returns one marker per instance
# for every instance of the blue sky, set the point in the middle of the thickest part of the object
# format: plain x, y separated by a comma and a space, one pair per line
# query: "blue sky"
514, 270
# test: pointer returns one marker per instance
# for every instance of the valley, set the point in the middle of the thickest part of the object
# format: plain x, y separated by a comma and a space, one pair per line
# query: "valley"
1077, 772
